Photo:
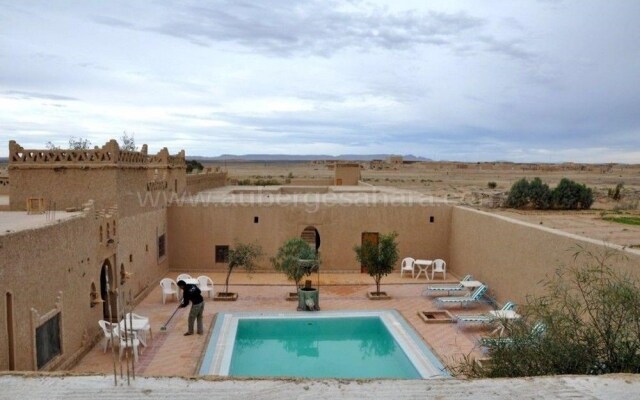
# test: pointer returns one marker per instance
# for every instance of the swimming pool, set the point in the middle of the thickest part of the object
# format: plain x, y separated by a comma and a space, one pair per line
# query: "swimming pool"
350, 344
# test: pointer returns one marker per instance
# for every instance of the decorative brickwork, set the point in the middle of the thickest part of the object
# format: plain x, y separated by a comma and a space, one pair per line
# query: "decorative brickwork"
108, 155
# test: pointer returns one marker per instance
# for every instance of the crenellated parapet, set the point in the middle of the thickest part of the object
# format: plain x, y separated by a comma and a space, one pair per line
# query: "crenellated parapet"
109, 155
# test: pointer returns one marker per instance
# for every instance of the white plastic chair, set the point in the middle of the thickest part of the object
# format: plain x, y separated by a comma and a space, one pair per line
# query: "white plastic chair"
205, 284
141, 325
106, 329
131, 341
407, 265
182, 277
439, 266
169, 288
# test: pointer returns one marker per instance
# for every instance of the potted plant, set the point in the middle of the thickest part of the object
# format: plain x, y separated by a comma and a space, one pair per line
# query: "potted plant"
242, 255
379, 258
296, 259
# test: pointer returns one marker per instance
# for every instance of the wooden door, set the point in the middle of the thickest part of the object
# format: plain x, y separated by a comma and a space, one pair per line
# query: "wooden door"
368, 237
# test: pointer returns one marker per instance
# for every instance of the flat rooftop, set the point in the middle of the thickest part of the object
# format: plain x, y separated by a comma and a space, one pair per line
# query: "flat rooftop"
291, 195
15, 221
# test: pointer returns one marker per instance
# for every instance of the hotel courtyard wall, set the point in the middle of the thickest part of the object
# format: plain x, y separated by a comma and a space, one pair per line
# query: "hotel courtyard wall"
197, 230
512, 256
138, 251
57, 268
36, 267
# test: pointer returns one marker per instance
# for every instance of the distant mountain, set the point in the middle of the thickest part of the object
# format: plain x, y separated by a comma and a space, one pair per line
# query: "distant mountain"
302, 157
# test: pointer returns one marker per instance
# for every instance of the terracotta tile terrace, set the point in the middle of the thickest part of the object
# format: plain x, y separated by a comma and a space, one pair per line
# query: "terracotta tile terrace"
172, 354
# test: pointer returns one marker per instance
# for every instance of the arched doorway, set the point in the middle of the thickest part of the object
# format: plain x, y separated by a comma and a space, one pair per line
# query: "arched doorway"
106, 273
311, 235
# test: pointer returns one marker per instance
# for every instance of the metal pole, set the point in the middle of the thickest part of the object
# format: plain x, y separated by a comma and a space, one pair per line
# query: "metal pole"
109, 314
127, 337
133, 360
118, 306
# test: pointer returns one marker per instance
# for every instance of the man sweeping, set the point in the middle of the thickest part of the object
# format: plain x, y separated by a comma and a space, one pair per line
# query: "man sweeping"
191, 293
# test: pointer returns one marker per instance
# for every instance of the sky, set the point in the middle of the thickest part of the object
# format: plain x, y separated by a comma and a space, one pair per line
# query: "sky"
526, 81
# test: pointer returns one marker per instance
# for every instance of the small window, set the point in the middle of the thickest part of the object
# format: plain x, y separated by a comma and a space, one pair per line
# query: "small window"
100, 233
146, 247
432, 218
222, 254
256, 220
161, 246
108, 231
130, 257
114, 228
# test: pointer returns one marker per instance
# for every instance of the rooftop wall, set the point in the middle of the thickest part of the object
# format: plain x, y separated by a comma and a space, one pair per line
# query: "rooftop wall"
204, 181
512, 257
108, 175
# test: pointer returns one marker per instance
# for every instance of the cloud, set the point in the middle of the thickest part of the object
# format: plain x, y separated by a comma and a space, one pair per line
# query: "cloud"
111, 21
282, 28
18, 94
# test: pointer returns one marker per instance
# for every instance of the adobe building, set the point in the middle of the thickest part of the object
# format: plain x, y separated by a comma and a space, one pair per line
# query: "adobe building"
347, 174
86, 226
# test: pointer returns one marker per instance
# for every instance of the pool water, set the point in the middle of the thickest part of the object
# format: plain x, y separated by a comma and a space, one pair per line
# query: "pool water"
323, 344
357, 347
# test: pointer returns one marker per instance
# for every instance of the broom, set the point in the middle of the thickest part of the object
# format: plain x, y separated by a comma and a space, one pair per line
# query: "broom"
164, 327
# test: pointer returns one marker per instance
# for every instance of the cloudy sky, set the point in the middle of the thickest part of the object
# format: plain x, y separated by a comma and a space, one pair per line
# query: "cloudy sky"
457, 80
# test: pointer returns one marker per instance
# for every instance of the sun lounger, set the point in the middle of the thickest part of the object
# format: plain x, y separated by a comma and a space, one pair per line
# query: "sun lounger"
483, 318
536, 331
445, 287
463, 301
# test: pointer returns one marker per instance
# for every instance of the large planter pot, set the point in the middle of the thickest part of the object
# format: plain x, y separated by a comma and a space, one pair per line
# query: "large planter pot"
308, 299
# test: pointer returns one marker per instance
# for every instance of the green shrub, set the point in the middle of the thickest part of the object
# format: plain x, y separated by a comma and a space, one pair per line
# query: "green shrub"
539, 194
591, 315
616, 194
568, 195
492, 185
519, 194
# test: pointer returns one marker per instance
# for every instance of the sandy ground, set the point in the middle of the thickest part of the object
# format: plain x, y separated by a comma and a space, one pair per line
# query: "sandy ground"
468, 184
608, 387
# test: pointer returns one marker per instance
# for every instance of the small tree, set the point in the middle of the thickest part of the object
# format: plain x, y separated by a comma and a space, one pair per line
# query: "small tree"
379, 258
51, 146
288, 260
128, 142
194, 165
519, 194
242, 255
79, 143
